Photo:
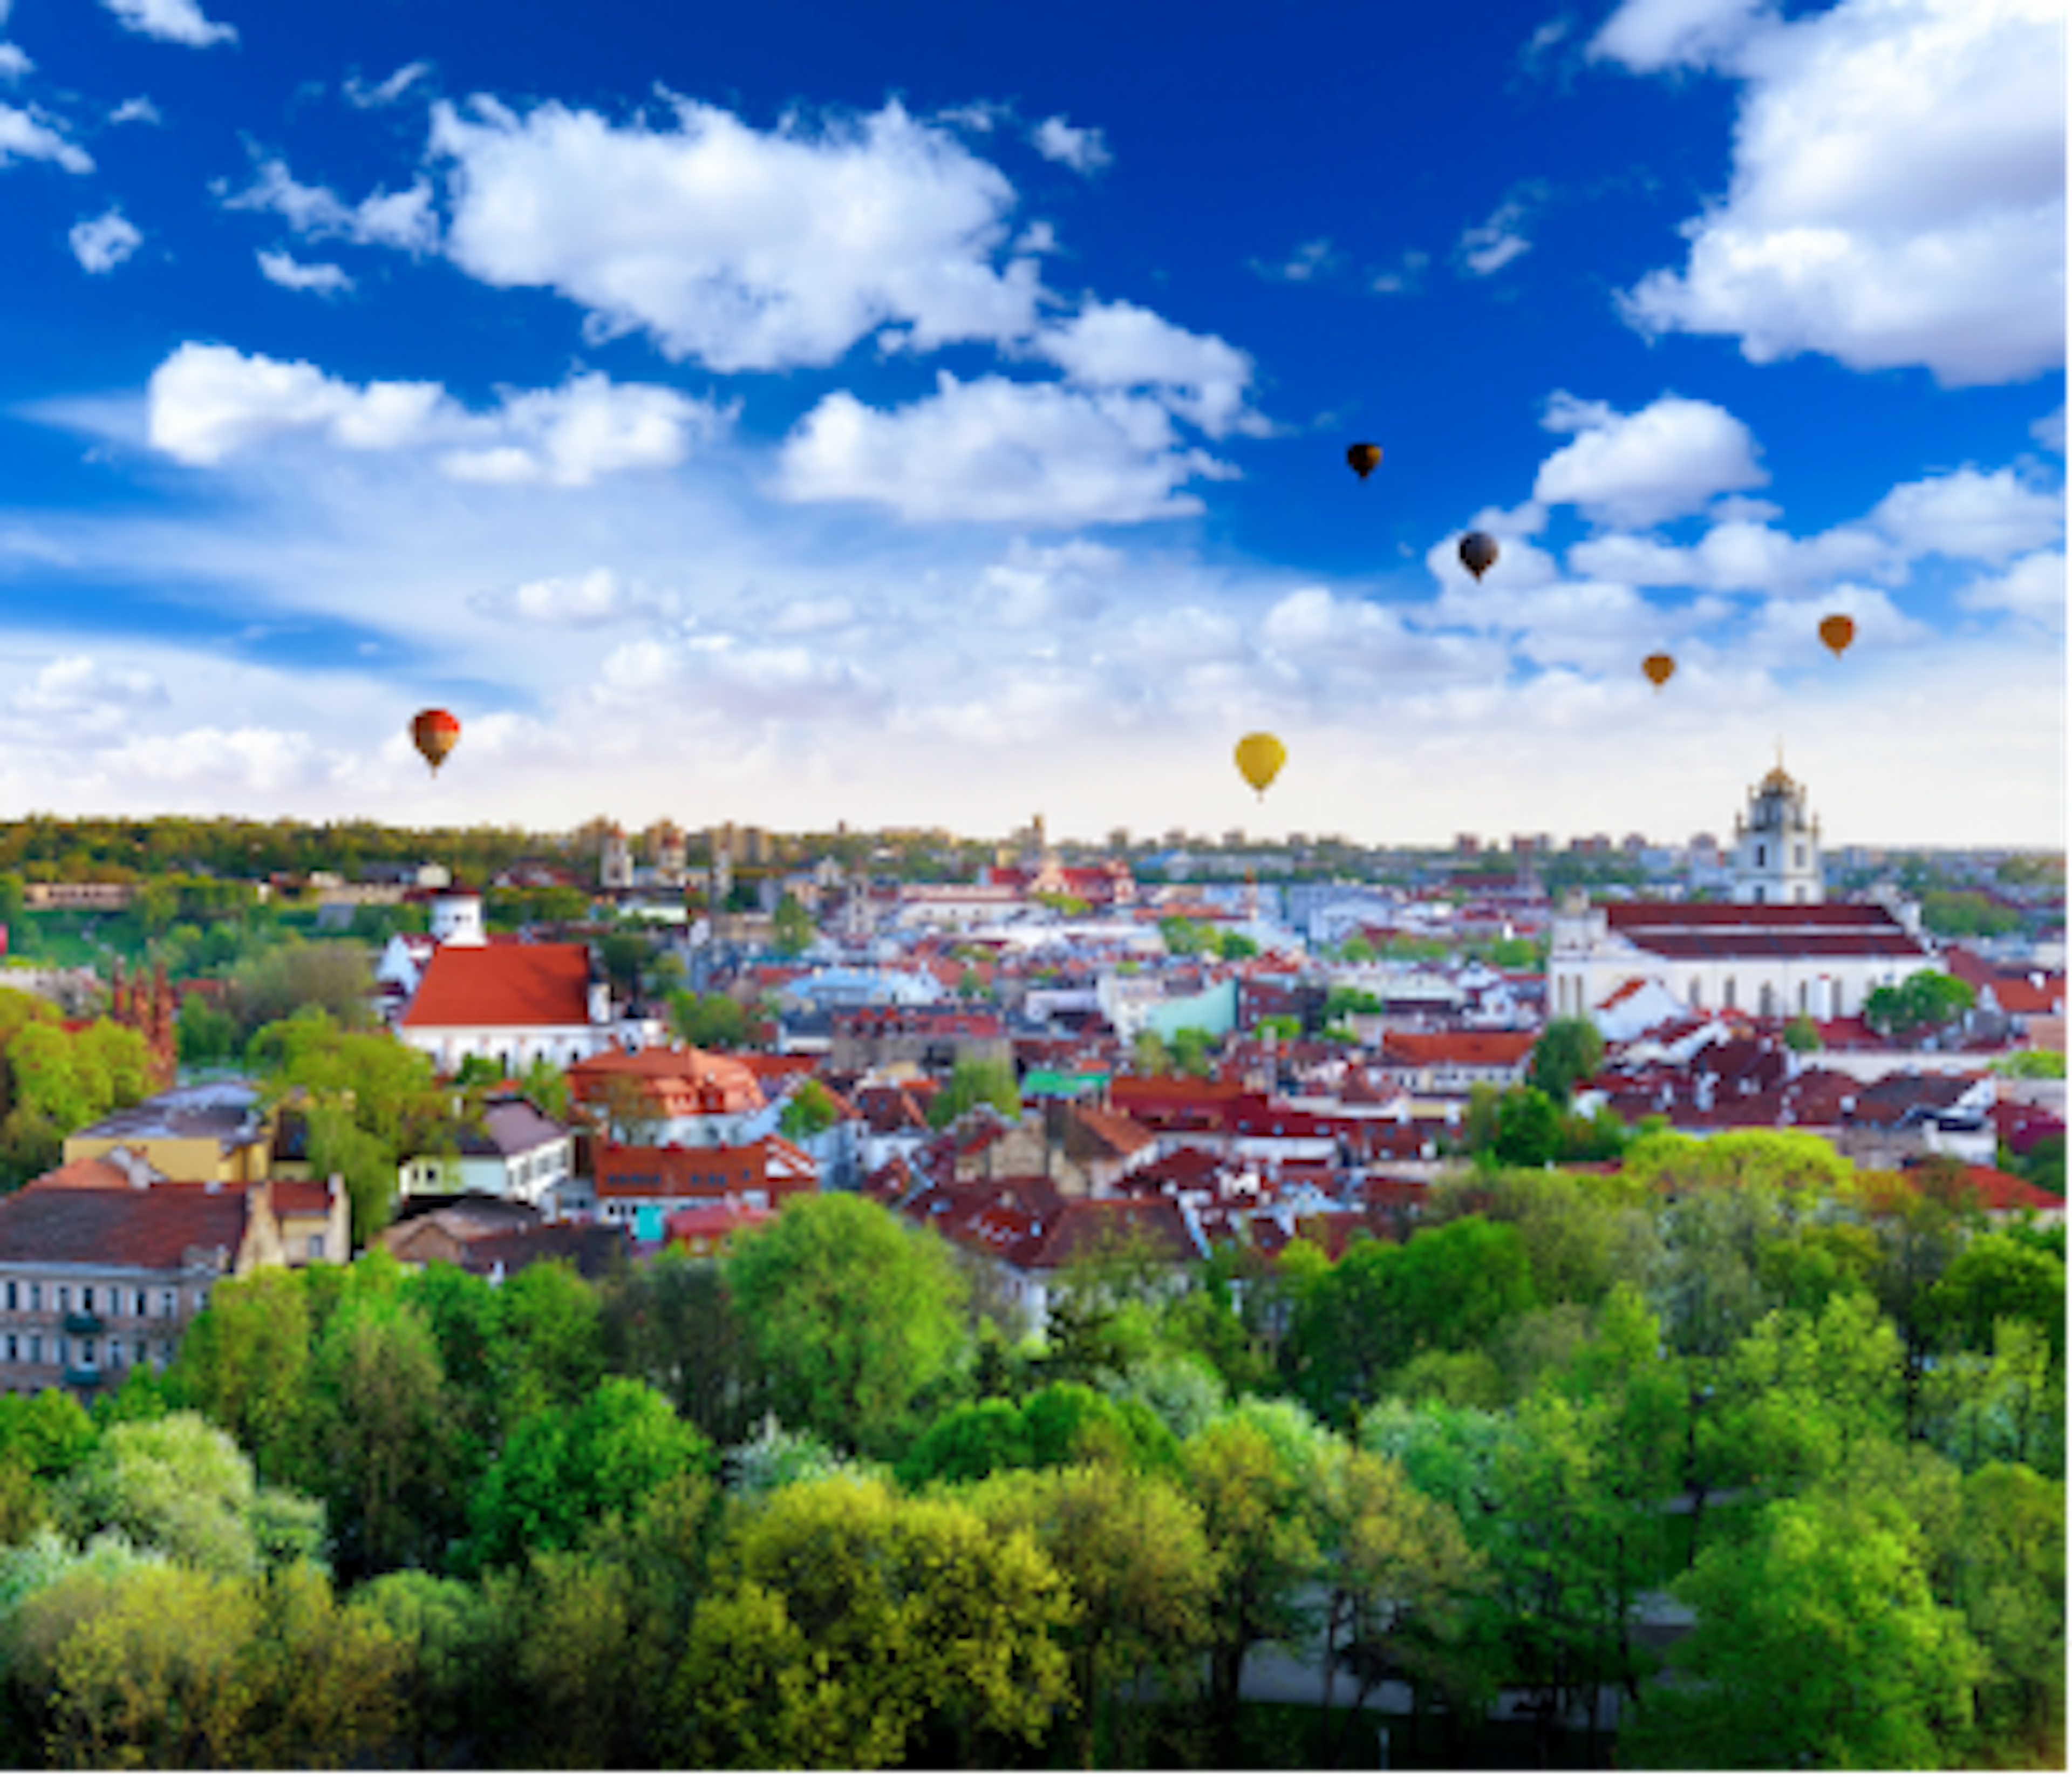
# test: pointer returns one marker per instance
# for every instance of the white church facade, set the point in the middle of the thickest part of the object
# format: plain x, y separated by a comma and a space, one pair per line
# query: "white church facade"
1778, 950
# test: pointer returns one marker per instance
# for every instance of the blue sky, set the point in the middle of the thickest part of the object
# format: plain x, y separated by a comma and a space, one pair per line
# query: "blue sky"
926, 415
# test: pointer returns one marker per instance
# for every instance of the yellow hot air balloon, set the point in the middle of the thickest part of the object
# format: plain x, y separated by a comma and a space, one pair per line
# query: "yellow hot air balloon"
1658, 668
1837, 631
1259, 758
1365, 459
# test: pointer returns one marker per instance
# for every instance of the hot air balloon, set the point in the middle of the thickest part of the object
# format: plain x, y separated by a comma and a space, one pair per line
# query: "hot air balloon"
1478, 553
1837, 631
1658, 668
1365, 459
1259, 758
435, 733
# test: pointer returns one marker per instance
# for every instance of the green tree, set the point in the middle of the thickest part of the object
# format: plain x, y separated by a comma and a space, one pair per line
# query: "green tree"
2009, 1582
853, 1313
845, 1623
1802, 1036
808, 1111
709, 1021
791, 927
1818, 1641
552, 1339
976, 1083
1567, 1049
1528, 1129
1926, 1000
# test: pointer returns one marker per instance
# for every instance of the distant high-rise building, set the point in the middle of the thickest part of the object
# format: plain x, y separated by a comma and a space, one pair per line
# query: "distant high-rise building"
666, 854
614, 866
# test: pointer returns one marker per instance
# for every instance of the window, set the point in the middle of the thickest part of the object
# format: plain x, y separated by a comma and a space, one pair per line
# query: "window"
316, 1246
115, 1354
61, 1349
35, 1298
14, 1349
64, 1297
12, 1287
86, 1298
1761, 855
1798, 854
169, 1302
35, 1347
86, 1356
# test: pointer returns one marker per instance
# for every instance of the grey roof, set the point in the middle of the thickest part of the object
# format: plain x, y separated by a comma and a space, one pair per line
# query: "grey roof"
226, 1110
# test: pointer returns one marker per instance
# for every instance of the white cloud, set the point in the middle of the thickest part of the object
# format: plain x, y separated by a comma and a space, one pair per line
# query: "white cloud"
998, 451
291, 273
1117, 345
585, 601
591, 426
207, 403
1489, 246
1307, 262
15, 62
748, 680
404, 220
81, 695
1597, 625
1898, 191
139, 109
1404, 278
1786, 633
103, 242
366, 97
1984, 518
24, 136
1034, 585
2050, 430
1650, 35
747, 250
1740, 555
2033, 588
1637, 469
1082, 150
171, 21
1519, 566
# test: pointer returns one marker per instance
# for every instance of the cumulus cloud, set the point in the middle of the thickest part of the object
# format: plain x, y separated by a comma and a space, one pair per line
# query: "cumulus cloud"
15, 62
2032, 589
1649, 36
1489, 246
1741, 555
1599, 626
1784, 633
998, 451
1309, 260
1082, 150
139, 109
291, 273
171, 22
103, 242
404, 220
585, 601
1638, 469
358, 93
1983, 518
2050, 430
745, 249
1118, 345
83, 695
1898, 191
748, 680
207, 403
26, 136
1520, 565
1033, 585
1403, 276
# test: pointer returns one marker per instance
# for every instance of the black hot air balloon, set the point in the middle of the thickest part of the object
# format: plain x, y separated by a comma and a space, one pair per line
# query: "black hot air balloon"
1365, 459
1478, 553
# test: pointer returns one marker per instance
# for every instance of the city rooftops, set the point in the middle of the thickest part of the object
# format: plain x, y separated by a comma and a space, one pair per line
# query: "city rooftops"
226, 1110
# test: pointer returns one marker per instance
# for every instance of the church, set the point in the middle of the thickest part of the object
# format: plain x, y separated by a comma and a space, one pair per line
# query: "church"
1778, 950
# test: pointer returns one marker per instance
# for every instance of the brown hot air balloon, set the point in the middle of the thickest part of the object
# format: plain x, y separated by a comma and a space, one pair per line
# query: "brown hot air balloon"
1478, 553
435, 733
1837, 631
1365, 459
1659, 667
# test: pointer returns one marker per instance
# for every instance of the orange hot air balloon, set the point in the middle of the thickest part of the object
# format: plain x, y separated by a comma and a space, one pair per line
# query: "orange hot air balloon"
1837, 631
1659, 668
1478, 553
1259, 758
1365, 458
435, 733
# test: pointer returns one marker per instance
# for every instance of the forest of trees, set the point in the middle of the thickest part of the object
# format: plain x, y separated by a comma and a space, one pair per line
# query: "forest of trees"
818, 1503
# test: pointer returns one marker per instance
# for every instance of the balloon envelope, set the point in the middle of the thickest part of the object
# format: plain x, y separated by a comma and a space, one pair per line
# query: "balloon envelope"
434, 733
1659, 668
1365, 459
1837, 631
1259, 758
1478, 552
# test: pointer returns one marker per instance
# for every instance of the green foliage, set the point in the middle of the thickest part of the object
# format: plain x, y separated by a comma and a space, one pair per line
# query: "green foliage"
791, 927
976, 1083
709, 1021
1568, 1049
1802, 1036
672, 1322
852, 1313
1966, 913
809, 1110
1925, 1002
207, 1034
2031, 1064
845, 1623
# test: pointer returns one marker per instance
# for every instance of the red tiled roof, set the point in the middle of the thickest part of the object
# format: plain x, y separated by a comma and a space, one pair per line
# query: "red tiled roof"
1461, 1048
522, 985
150, 1229
772, 1164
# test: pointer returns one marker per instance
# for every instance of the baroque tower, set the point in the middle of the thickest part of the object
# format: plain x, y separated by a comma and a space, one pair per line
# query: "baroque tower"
1777, 844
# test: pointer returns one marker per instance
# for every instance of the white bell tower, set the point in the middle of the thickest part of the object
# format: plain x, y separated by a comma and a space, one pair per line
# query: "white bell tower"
1777, 846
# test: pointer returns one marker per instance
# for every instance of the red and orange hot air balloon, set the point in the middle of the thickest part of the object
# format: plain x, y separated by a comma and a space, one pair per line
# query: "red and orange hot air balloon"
1659, 668
1837, 631
435, 733
1365, 458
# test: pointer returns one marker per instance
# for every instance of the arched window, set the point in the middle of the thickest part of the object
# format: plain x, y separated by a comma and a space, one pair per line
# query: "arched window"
1758, 895
1761, 854
1766, 1000
1692, 992
1801, 999
1727, 993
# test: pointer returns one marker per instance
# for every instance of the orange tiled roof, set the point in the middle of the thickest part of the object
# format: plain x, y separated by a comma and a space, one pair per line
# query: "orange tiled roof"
519, 984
